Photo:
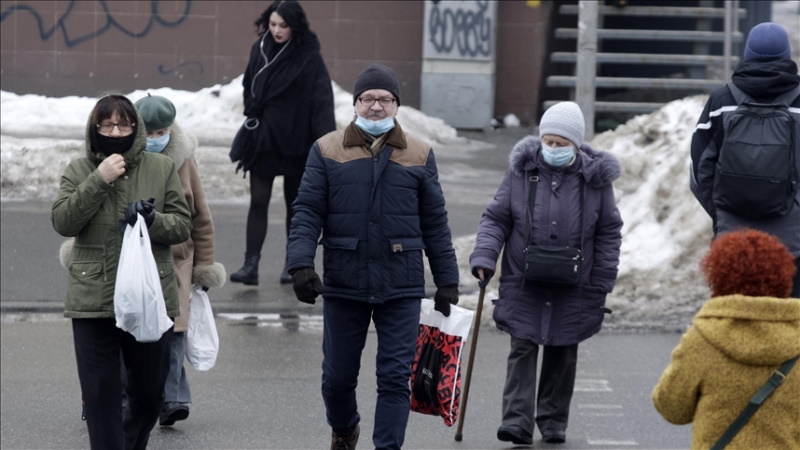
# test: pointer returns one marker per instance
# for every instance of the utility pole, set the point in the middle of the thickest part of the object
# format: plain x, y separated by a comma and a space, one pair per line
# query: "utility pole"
586, 70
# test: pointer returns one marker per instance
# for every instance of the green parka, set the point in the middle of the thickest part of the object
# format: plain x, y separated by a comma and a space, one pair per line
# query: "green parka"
89, 209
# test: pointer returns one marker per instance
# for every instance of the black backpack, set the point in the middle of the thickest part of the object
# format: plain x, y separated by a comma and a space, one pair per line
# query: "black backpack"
756, 170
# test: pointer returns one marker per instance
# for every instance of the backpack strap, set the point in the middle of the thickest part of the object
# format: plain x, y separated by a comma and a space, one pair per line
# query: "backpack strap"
784, 99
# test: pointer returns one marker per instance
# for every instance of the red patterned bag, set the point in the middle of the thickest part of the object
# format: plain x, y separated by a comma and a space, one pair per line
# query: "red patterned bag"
436, 372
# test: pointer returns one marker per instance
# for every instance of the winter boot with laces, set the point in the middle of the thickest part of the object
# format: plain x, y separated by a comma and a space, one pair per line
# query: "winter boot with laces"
346, 441
248, 274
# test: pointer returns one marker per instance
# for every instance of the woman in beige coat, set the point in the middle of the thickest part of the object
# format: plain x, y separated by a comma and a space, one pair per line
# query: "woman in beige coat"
737, 340
194, 258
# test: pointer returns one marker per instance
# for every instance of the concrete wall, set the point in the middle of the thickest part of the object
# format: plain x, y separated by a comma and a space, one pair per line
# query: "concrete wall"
88, 48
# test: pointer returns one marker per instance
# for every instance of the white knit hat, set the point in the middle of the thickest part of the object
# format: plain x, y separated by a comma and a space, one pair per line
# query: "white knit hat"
564, 119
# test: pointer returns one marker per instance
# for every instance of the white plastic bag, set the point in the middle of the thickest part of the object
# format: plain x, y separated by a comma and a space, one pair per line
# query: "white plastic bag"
202, 341
138, 300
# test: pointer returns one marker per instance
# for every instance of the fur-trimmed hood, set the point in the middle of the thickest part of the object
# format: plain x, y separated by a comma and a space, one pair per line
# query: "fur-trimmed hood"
181, 145
598, 168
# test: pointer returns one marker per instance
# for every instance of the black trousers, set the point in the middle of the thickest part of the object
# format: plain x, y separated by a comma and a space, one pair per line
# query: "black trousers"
100, 350
556, 385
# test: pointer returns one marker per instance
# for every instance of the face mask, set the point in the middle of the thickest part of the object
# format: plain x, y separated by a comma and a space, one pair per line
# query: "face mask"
375, 128
559, 156
157, 144
110, 145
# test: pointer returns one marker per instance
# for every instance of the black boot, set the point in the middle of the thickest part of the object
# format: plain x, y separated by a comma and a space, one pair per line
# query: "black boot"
248, 274
285, 277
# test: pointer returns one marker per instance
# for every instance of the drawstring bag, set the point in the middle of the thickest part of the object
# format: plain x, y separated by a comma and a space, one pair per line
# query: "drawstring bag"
202, 341
436, 371
139, 304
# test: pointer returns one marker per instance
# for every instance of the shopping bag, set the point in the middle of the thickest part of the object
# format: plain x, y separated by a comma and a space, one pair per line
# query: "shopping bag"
202, 341
436, 371
139, 305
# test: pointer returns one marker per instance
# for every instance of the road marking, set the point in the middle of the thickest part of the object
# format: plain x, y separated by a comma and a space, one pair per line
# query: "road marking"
610, 442
582, 385
601, 410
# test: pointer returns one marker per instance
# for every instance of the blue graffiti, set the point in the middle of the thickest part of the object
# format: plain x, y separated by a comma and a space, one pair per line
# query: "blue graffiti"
110, 22
467, 31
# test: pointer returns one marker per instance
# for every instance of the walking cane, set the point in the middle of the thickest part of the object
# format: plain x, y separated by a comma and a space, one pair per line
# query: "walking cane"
476, 326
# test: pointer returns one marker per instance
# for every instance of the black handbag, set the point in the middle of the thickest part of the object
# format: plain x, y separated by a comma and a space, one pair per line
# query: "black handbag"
245, 142
548, 264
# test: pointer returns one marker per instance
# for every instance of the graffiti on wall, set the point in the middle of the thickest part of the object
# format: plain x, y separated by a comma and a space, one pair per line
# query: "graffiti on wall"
65, 24
459, 29
62, 22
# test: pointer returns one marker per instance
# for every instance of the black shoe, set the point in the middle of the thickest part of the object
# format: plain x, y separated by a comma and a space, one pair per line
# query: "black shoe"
514, 434
173, 412
248, 274
347, 441
554, 436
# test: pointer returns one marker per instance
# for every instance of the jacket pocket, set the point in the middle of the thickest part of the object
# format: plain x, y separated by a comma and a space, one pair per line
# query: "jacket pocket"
406, 268
340, 262
86, 284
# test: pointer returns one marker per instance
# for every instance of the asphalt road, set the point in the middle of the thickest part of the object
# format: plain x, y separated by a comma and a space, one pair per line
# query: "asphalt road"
264, 392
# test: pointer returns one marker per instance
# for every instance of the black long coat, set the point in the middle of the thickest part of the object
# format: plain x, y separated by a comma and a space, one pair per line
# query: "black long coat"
291, 95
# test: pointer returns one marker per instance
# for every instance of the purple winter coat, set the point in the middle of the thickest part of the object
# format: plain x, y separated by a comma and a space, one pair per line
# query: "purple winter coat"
553, 315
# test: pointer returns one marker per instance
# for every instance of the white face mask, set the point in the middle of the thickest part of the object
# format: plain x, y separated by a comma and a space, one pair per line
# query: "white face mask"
558, 156
375, 127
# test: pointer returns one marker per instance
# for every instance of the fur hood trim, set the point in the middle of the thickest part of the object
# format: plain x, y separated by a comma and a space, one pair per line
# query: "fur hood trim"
212, 275
65, 252
181, 145
598, 168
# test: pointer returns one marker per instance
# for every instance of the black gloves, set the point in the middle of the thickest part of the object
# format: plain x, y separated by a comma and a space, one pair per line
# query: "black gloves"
307, 285
487, 276
445, 296
144, 207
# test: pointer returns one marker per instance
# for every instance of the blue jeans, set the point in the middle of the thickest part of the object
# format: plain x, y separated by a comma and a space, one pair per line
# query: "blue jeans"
176, 389
346, 323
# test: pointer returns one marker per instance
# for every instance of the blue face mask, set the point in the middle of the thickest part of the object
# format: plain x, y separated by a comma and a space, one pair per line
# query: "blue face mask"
157, 144
557, 156
373, 127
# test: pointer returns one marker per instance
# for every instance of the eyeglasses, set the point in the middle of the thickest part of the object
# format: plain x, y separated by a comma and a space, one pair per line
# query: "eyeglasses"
106, 127
369, 101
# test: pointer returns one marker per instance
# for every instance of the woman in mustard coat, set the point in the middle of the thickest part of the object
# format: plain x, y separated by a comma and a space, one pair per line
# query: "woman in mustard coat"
737, 340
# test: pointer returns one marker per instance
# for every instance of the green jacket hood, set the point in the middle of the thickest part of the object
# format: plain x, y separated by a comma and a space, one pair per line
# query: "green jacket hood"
752, 330
132, 156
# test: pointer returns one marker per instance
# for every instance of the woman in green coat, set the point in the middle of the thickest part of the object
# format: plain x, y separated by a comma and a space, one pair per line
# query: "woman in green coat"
98, 194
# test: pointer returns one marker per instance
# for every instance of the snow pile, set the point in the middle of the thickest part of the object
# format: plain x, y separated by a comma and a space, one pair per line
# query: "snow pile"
666, 232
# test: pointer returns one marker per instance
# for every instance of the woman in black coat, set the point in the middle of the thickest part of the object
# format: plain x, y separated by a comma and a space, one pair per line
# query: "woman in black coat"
288, 101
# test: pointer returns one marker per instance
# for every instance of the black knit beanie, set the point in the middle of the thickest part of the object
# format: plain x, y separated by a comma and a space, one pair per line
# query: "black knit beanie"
377, 76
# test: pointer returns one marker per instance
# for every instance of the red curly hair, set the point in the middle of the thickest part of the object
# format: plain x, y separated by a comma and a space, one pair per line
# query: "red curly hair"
749, 262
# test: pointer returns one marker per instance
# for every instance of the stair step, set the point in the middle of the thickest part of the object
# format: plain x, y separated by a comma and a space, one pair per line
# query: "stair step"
653, 35
641, 83
659, 11
645, 58
628, 107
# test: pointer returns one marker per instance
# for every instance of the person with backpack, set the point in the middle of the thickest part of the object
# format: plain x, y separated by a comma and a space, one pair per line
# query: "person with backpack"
746, 146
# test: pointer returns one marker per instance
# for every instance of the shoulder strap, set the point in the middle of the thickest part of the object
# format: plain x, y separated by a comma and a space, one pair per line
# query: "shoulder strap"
774, 381
534, 180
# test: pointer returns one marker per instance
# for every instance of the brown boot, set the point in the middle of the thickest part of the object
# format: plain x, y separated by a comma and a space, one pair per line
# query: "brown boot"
346, 442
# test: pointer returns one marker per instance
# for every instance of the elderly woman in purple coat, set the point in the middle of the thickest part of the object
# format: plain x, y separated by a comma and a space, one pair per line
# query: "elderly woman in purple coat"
574, 207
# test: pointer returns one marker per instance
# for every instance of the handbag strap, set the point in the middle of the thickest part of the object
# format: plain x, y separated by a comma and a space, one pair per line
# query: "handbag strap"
534, 180
774, 381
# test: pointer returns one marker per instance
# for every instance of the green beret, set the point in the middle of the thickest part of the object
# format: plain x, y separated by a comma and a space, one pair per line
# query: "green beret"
156, 111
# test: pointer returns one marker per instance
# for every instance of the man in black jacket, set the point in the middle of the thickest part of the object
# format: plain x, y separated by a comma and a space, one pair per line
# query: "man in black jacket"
766, 73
